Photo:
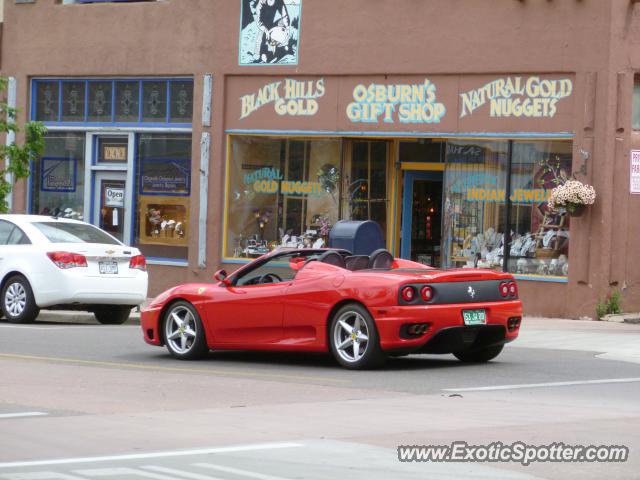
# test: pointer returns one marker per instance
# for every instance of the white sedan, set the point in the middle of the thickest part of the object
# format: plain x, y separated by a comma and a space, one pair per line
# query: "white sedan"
57, 263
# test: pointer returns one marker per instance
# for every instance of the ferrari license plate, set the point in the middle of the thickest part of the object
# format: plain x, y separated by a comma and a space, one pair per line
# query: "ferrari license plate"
108, 268
474, 317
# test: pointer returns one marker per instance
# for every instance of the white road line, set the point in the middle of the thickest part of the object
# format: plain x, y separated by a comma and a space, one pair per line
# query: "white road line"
178, 474
121, 472
237, 471
137, 456
22, 414
543, 385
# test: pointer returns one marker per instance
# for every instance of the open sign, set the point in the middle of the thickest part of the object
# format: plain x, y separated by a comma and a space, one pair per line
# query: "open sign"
114, 197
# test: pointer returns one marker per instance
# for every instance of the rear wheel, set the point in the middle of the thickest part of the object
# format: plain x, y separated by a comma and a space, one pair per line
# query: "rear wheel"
354, 338
18, 302
479, 355
183, 332
113, 315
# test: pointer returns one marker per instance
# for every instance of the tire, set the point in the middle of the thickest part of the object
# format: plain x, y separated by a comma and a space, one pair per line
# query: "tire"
18, 302
115, 315
183, 332
343, 345
479, 355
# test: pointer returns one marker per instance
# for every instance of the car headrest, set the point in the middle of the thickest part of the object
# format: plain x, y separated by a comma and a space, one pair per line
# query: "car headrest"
357, 262
332, 258
381, 258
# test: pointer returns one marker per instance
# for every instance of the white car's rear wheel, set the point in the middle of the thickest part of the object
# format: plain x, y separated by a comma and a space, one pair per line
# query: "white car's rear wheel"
18, 303
184, 333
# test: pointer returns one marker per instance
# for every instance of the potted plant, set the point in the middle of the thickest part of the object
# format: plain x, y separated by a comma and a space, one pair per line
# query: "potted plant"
572, 196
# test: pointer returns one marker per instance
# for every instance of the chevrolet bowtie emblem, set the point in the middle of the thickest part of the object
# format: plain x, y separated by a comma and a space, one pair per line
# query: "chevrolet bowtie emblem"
110, 252
471, 292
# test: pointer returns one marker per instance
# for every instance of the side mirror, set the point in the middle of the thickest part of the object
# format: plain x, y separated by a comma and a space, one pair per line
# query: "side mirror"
221, 276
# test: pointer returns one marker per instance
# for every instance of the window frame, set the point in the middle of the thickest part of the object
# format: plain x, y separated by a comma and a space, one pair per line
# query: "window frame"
166, 123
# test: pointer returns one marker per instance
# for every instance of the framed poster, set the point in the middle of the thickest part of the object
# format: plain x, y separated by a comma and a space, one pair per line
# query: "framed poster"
269, 32
58, 174
164, 220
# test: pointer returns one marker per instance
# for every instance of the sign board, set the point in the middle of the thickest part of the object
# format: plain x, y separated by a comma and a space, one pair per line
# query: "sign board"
164, 175
58, 174
114, 152
635, 172
114, 197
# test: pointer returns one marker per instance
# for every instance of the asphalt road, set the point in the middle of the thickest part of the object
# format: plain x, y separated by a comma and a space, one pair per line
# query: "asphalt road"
84, 401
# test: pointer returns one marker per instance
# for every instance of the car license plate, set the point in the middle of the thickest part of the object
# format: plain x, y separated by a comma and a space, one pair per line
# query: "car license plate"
108, 268
474, 317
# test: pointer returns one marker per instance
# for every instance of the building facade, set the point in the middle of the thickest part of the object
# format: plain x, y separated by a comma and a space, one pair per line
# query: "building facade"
209, 132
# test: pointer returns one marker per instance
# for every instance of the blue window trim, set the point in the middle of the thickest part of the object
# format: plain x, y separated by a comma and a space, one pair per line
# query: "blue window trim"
168, 81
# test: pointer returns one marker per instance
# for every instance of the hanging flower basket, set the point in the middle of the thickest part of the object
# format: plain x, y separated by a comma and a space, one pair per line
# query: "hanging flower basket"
575, 209
572, 196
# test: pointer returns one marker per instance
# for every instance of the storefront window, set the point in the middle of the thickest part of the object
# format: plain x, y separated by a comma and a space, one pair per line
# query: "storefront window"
475, 206
154, 101
127, 101
47, 105
164, 183
365, 184
109, 101
282, 192
58, 176
540, 241
73, 101
474, 197
99, 102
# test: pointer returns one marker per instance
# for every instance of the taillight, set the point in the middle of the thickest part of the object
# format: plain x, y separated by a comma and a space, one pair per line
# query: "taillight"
513, 289
504, 289
408, 294
66, 260
138, 262
426, 293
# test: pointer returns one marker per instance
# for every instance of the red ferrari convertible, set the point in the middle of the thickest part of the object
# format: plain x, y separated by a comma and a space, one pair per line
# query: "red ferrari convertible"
360, 308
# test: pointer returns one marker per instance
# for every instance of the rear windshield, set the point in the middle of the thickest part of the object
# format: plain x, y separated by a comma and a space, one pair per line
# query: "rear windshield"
62, 232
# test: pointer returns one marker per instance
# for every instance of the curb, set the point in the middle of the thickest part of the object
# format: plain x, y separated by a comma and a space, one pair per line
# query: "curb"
80, 318
632, 318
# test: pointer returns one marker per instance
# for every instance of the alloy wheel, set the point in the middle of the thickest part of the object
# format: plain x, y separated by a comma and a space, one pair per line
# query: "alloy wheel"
180, 329
351, 336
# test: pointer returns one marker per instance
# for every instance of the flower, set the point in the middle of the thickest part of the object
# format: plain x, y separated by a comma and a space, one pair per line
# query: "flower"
570, 194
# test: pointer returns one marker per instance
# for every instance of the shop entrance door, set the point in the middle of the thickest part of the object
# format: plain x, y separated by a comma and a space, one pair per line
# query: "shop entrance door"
110, 209
422, 217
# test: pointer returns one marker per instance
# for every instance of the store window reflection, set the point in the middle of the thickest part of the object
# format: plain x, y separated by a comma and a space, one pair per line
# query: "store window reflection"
282, 192
58, 176
540, 239
474, 197
365, 183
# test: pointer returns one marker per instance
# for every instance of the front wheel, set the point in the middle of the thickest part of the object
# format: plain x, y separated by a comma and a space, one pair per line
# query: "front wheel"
479, 355
18, 302
112, 315
354, 338
183, 332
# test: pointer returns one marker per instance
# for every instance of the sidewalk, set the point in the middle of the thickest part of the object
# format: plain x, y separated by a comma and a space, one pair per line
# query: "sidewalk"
610, 340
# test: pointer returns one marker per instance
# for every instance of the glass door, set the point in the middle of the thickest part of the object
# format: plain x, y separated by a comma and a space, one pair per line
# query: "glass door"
111, 178
110, 206
422, 217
